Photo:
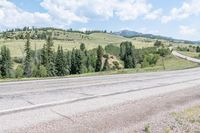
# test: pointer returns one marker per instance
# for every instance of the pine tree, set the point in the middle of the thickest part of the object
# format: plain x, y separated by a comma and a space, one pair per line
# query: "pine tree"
60, 62
73, 63
99, 59
50, 65
27, 60
5, 62
43, 56
127, 54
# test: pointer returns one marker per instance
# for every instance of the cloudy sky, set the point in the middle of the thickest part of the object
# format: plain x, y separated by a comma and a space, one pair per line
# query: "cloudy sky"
174, 18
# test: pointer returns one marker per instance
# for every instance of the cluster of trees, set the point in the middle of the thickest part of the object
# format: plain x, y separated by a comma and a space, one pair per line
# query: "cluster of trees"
145, 57
127, 54
190, 48
48, 63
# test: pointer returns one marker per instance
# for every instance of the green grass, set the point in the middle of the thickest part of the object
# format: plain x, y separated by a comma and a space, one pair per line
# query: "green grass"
73, 40
173, 63
191, 54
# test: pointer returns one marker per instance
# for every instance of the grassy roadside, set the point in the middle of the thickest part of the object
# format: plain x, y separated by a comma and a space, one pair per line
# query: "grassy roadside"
171, 63
190, 54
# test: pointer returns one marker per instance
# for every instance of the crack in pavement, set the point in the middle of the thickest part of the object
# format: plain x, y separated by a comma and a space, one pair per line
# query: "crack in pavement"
64, 116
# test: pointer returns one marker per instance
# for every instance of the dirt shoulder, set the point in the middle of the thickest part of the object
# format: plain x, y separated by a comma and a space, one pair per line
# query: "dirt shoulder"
155, 114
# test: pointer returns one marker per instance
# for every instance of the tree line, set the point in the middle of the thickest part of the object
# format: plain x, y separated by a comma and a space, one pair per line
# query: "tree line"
47, 63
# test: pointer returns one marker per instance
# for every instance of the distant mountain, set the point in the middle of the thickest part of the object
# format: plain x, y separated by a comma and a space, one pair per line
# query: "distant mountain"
127, 33
130, 34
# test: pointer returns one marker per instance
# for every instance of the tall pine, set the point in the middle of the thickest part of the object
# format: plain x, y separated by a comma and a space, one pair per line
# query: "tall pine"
5, 62
61, 69
50, 58
27, 59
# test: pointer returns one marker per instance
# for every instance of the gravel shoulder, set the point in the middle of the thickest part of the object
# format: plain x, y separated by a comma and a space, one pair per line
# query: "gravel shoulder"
155, 114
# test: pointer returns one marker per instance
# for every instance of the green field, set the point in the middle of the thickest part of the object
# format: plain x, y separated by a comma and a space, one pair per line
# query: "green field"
73, 40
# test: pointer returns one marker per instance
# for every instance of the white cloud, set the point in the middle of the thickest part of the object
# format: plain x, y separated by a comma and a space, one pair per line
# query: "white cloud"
84, 9
187, 31
61, 13
188, 8
12, 16
64, 11
154, 15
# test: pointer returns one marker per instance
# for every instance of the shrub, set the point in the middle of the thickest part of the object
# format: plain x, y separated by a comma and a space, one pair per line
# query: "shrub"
19, 72
42, 71
34, 71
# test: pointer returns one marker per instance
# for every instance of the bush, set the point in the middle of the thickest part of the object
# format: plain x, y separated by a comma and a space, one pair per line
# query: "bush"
116, 65
42, 71
163, 52
34, 71
19, 72
150, 60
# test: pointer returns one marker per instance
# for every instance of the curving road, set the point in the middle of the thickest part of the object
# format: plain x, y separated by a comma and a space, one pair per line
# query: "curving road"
175, 53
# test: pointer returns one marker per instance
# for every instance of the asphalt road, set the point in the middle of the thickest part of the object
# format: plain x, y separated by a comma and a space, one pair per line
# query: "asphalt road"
27, 103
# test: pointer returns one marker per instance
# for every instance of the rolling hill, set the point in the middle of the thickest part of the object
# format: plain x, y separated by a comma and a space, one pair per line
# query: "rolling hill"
69, 39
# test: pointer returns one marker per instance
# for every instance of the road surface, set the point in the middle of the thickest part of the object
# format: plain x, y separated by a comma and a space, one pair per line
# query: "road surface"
27, 104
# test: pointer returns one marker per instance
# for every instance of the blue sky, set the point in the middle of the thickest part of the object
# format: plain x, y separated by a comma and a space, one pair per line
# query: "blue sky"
174, 18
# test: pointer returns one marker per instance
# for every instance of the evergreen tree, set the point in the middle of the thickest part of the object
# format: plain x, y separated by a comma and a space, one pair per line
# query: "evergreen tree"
43, 56
50, 65
127, 54
60, 62
79, 62
27, 60
99, 59
5, 62
73, 63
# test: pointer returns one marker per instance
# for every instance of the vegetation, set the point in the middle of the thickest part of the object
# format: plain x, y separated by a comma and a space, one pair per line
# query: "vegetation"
46, 62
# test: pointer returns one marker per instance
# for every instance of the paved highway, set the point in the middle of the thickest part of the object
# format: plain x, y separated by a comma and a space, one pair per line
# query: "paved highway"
27, 103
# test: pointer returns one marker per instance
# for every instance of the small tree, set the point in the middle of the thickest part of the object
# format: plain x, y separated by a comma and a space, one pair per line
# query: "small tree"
163, 53
99, 59
82, 47
158, 43
42, 71
19, 72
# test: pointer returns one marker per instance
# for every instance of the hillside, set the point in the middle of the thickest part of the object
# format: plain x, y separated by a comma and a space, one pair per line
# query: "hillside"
15, 40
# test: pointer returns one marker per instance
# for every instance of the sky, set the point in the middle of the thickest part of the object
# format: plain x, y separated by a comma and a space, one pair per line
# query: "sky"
173, 18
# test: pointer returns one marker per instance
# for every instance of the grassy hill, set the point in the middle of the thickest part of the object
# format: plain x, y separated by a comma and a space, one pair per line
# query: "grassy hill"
70, 40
